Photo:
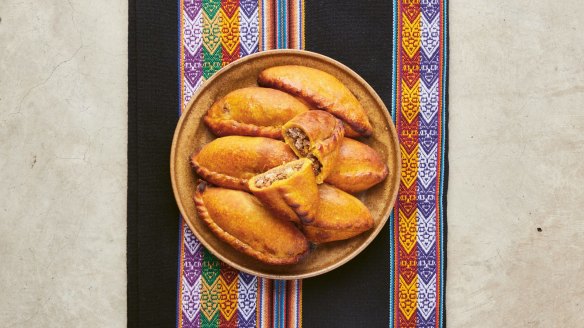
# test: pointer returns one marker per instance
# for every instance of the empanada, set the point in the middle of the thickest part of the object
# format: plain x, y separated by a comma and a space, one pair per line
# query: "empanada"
253, 111
289, 190
349, 132
340, 216
359, 167
321, 90
230, 161
240, 220
316, 135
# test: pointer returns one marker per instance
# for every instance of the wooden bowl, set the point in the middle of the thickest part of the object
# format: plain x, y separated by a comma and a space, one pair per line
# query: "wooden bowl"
191, 133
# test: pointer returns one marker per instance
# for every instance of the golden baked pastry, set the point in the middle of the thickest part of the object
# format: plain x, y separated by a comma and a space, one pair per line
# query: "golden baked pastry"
359, 167
316, 135
230, 161
289, 190
321, 90
340, 216
349, 132
240, 220
253, 111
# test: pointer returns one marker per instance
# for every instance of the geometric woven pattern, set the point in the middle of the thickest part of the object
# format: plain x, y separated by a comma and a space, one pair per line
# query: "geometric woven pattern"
419, 109
214, 33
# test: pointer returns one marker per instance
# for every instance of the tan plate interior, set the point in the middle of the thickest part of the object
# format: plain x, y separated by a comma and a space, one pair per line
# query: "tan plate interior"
191, 133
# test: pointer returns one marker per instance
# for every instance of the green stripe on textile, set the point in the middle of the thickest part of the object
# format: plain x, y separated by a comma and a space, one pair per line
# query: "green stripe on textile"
212, 50
211, 7
212, 62
210, 291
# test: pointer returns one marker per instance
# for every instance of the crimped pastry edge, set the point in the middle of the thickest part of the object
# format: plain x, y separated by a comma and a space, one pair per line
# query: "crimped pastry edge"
333, 141
232, 240
327, 147
219, 179
363, 130
236, 128
285, 190
323, 147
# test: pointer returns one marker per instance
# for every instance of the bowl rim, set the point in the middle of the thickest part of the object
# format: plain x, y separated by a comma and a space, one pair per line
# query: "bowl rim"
294, 52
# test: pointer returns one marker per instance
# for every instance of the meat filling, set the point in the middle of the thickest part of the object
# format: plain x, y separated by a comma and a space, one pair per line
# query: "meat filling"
301, 141
280, 173
316, 165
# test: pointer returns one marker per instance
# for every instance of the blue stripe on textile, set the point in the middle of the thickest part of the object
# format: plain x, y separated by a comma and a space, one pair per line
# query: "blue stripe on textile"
263, 28
261, 293
279, 294
276, 304
393, 116
282, 24
281, 43
394, 70
282, 303
444, 134
278, 24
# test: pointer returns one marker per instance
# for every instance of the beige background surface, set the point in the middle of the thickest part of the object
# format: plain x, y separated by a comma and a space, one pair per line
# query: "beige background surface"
516, 164
63, 91
516, 151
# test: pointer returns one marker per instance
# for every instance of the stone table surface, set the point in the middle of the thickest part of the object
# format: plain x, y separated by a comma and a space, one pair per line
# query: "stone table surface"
516, 186
63, 137
516, 148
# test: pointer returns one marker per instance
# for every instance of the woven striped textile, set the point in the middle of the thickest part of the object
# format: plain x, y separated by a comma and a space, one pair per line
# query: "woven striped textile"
213, 34
419, 109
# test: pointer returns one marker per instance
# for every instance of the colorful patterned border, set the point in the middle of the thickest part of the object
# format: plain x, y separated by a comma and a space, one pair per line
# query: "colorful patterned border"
419, 110
214, 33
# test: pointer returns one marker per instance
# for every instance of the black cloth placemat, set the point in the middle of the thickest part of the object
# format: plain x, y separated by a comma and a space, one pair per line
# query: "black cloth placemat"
152, 116
358, 34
